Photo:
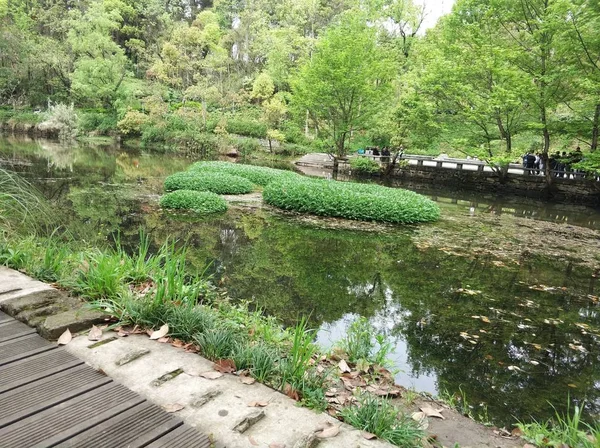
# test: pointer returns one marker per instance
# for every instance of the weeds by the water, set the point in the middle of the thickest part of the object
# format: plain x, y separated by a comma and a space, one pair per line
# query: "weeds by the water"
362, 343
21, 206
565, 430
378, 416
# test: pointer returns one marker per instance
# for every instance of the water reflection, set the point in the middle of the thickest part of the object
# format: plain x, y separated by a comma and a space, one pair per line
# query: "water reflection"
516, 336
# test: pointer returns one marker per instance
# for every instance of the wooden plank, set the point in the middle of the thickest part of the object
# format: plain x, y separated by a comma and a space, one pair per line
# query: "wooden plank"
15, 329
135, 428
70, 418
36, 367
23, 347
4, 317
183, 437
40, 395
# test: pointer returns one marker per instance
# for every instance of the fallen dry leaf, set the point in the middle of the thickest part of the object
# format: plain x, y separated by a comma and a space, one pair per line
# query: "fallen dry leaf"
122, 333
211, 375
343, 366
178, 343
368, 435
95, 334
258, 404
173, 407
529, 445
224, 366
65, 338
247, 379
291, 392
163, 340
252, 441
328, 432
430, 412
160, 333
421, 419
276, 445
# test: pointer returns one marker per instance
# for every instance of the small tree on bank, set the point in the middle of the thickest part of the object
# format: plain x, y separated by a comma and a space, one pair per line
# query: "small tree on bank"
345, 83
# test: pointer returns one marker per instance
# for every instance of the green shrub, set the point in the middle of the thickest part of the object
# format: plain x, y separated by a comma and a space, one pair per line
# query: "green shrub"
100, 122
246, 128
350, 200
202, 202
258, 175
364, 165
133, 122
219, 183
246, 145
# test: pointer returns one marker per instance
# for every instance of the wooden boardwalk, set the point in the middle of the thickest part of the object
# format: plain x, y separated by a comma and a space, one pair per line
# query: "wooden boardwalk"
50, 398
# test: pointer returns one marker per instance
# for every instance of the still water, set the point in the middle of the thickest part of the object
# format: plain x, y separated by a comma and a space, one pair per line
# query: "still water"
512, 338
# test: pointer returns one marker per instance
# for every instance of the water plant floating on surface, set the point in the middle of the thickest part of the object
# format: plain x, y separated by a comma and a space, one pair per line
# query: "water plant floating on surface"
201, 202
258, 175
364, 202
219, 183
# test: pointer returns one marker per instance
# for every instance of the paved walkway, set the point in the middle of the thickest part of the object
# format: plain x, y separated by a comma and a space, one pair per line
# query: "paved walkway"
50, 398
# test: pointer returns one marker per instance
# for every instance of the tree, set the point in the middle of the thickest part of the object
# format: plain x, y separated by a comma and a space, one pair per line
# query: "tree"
345, 82
101, 65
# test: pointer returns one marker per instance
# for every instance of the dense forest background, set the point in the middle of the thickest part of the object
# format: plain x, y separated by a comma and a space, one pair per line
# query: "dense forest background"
493, 79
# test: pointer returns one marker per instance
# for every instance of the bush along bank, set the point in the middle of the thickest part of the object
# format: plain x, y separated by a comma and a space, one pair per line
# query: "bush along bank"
290, 191
145, 290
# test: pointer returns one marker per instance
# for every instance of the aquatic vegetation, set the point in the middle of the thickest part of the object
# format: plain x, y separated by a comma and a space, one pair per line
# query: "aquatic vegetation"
364, 202
201, 202
219, 183
380, 417
258, 175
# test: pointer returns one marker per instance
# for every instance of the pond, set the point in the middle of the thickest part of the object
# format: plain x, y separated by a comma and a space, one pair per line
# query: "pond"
497, 303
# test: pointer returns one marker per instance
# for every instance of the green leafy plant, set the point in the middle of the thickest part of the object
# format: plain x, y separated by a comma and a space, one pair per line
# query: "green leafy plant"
364, 202
364, 165
258, 175
301, 351
362, 343
201, 202
219, 183
380, 417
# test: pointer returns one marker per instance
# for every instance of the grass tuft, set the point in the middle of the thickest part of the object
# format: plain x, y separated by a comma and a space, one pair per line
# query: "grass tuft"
378, 416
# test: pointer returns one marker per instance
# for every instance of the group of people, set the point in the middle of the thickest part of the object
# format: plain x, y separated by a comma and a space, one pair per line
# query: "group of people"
560, 164
384, 153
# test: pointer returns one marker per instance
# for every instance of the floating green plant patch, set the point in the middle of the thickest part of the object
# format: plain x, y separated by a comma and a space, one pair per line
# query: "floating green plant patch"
202, 202
350, 200
258, 175
219, 183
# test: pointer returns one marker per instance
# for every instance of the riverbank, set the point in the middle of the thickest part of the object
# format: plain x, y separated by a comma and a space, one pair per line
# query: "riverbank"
216, 402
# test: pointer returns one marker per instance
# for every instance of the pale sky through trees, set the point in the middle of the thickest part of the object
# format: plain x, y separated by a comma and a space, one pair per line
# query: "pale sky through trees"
434, 10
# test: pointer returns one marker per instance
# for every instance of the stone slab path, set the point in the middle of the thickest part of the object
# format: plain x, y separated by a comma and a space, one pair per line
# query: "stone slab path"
50, 398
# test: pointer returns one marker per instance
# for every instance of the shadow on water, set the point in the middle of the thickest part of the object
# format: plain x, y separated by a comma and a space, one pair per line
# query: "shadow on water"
520, 337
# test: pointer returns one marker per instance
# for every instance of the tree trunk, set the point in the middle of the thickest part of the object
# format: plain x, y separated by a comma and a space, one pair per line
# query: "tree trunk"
306, 125
595, 128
